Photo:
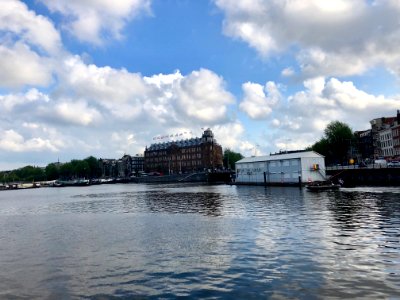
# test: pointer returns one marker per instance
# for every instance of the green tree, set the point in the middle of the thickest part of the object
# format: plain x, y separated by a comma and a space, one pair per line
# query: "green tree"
30, 173
94, 167
80, 168
52, 171
336, 142
230, 158
66, 171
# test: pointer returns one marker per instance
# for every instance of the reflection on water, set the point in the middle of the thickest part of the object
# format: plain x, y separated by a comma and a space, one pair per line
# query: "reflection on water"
199, 241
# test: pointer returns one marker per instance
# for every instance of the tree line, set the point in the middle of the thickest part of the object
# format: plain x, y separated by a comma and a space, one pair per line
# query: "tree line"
85, 168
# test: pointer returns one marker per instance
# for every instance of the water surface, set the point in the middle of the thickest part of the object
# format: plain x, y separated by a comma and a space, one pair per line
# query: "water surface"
199, 241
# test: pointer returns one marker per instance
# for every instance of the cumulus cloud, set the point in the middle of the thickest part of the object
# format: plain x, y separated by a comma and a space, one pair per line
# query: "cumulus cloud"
17, 20
10, 101
14, 142
27, 44
256, 103
102, 110
20, 66
323, 101
67, 111
202, 96
305, 115
334, 38
93, 20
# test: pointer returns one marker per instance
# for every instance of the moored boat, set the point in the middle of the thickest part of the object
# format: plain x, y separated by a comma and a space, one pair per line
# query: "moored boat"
322, 186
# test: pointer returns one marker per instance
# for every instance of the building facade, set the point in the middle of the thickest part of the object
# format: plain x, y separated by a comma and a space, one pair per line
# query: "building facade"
386, 142
137, 163
126, 166
109, 168
365, 145
396, 140
190, 155
378, 125
291, 168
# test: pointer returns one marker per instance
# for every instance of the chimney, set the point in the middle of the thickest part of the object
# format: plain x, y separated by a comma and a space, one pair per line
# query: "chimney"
398, 117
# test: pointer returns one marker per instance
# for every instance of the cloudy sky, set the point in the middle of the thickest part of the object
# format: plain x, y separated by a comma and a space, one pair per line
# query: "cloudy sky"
108, 77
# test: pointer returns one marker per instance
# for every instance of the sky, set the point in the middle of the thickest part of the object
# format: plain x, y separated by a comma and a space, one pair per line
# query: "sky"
108, 78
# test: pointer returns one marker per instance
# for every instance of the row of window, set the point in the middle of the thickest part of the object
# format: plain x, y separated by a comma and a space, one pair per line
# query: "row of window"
174, 158
182, 150
272, 164
270, 177
176, 164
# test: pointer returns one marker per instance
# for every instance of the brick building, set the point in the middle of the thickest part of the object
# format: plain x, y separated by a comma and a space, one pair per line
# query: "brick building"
190, 155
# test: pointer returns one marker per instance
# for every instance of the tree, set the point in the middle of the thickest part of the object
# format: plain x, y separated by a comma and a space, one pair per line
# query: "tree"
94, 167
66, 171
30, 173
230, 158
52, 171
80, 168
336, 142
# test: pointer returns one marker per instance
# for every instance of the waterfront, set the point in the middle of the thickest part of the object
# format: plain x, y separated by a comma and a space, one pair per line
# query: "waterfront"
199, 241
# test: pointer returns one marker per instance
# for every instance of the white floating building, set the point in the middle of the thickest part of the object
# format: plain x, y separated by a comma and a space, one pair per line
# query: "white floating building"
288, 168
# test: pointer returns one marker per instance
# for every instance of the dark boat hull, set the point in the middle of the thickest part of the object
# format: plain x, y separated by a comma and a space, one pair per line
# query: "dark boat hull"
327, 187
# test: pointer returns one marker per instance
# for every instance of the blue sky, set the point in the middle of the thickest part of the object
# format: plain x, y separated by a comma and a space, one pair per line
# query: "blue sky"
104, 78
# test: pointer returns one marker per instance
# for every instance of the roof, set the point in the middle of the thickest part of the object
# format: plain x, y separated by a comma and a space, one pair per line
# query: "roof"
307, 154
181, 144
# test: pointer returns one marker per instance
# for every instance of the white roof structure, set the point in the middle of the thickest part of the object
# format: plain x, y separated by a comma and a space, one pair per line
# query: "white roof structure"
301, 154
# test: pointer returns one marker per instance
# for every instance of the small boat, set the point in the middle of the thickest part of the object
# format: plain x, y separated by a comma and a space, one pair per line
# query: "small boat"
322, 186
75, 182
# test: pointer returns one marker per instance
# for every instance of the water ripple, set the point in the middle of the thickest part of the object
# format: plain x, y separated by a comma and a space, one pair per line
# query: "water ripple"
199, 241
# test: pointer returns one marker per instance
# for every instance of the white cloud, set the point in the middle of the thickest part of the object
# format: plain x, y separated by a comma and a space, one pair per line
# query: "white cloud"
199, 97
202, 97
12, 141
76, 113
20, 66
256, 103
105, 111
17, 19
334, 38
287, 72
10, 102
93, 20
308, 112
340, 99
28, 43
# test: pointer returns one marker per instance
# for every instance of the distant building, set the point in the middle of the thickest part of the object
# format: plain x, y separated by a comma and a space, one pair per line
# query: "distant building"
290, 168
378, 125
124, 166
364, 145
386, 142
137, 163
109, 167
396, 140
189, 155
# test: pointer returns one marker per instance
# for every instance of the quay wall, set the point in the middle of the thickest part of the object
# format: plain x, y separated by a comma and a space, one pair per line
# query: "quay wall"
216, 177
195, 177
366, 176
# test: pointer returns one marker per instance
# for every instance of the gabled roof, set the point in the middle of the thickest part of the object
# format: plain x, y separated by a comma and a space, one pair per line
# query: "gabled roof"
306, 154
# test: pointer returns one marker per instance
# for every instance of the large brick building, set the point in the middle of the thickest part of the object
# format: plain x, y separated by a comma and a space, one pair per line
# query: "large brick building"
190, 155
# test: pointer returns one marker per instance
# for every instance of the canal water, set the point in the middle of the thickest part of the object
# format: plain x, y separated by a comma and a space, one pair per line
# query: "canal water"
139, 241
